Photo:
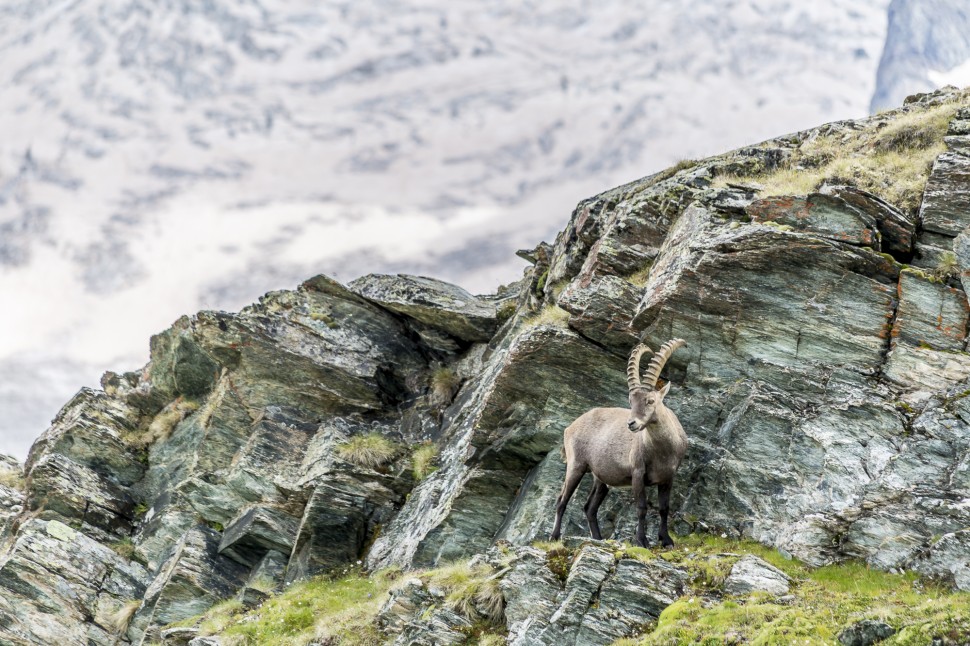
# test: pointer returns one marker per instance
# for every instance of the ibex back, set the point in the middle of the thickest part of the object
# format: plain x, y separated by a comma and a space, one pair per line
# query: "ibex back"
627, 447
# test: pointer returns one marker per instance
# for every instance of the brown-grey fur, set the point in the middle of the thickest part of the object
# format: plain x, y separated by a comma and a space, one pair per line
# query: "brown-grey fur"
627, 447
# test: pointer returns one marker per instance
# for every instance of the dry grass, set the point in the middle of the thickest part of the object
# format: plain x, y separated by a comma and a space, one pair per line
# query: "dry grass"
120, 619
890, 159
371, 451
12, 479
550, 315
163, 423
642, 275
947, 267
444, 385
472, 591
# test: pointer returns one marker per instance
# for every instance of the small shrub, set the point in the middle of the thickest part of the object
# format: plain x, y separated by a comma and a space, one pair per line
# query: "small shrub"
422, 461
371, 451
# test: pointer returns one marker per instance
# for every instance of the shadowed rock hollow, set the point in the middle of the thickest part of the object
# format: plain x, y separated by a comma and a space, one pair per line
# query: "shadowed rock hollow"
824, 388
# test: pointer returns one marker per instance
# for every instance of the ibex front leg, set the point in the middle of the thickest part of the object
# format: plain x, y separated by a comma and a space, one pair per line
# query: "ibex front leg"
640, 492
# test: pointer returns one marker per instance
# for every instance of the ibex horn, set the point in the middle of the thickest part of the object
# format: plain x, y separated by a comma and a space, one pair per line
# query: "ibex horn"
659, 360
633, 365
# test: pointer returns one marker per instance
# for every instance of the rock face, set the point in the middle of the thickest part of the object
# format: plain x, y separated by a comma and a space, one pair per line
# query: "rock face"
823, 386
751, 574
866, 633
602, 600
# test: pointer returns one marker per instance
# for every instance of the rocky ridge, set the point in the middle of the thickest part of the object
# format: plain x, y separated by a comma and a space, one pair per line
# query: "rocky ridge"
823, 386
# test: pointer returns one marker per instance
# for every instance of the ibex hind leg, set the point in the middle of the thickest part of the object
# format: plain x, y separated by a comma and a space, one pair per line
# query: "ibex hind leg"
592, 506
573, 476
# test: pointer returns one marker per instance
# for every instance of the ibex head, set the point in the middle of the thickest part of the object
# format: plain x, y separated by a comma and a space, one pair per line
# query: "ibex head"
644, 398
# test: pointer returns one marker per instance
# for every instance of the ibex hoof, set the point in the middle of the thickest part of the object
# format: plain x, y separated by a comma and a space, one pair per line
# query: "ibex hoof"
666, 542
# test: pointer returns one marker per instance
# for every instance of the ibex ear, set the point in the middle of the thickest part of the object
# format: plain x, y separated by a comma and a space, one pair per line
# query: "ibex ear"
664, 390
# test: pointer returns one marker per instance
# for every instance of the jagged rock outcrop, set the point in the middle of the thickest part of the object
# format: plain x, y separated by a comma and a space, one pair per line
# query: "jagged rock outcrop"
824, 388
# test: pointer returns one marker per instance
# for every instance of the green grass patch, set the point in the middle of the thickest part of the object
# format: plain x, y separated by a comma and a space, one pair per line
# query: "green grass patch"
823, 601
342, 610
338, 611
372, 450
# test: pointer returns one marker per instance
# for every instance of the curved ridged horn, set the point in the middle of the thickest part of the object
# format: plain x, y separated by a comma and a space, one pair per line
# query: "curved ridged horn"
633, 365
658, 361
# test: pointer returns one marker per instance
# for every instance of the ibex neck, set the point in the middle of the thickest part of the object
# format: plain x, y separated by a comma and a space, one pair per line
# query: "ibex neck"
664, 432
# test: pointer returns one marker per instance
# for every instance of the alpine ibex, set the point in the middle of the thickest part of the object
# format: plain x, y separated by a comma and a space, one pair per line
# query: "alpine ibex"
634, 447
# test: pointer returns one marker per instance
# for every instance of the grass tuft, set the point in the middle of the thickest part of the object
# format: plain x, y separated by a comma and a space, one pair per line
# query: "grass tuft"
124, 548
505, 311
640, 277
162, 424
947, 267
559, 558
444, 385
120, 619
422, 461
12, 480
472, 590
550, 315
371, 451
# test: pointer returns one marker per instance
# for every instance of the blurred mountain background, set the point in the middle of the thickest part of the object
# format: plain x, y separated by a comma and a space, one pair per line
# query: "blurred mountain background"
157, 158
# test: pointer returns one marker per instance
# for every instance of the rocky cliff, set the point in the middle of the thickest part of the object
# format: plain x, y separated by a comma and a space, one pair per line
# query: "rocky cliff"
402, 423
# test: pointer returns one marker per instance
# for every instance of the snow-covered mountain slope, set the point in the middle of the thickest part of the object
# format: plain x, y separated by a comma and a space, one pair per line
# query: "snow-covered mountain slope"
157, 157
927, 46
